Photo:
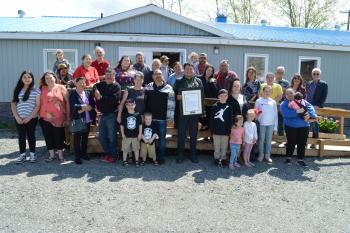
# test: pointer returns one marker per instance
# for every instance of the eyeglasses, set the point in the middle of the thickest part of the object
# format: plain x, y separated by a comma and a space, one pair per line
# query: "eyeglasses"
317, 74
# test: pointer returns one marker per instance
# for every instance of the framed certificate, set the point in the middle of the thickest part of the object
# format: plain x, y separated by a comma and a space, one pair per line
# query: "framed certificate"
192, 102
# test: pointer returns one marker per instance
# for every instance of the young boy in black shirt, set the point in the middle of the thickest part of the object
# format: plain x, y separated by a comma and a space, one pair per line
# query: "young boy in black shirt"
131, 130
149, 135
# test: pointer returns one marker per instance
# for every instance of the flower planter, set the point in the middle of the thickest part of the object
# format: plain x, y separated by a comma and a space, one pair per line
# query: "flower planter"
330, 136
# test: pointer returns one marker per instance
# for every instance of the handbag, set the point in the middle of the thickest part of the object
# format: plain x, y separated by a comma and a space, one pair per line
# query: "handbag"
78, 126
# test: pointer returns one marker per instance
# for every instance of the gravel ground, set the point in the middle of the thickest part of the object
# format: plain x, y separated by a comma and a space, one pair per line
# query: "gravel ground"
99, 197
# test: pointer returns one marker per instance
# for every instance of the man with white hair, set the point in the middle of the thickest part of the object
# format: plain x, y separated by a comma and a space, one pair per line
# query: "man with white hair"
279, 79
140, 64
316, 94
100, 64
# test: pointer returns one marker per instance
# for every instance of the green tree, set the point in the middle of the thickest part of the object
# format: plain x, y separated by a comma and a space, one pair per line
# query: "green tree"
306, 13
243, 11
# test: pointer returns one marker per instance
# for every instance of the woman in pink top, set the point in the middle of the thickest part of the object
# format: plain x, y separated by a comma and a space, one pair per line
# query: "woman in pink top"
54, 114
87, 71
236, 140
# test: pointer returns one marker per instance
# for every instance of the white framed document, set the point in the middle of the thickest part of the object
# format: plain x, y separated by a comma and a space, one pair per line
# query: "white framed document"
192, 102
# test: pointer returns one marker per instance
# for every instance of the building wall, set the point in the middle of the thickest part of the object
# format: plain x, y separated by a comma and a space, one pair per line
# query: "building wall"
19, 55
150, 23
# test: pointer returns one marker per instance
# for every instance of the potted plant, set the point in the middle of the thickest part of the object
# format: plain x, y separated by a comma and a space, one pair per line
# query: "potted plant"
328, 125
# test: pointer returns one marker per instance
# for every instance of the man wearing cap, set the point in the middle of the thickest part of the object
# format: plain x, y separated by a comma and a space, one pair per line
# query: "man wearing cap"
160, 101
100, 64
140, 64
166, 70
187, 122
107, 95
202, 63
64, 77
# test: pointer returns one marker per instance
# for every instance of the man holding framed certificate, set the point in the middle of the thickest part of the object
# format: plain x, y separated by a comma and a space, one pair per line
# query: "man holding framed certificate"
189, 95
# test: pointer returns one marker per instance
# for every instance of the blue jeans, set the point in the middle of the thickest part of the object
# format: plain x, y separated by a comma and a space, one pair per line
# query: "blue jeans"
315, 128
161, 130
265, 139
108, 133
234, 153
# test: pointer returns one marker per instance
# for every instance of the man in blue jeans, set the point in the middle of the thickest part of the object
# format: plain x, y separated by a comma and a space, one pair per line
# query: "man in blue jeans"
107, 94
316, 94
160, 101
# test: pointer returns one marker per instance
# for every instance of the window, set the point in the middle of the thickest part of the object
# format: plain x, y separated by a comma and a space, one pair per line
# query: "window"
306, 64
151, 53
50, 57
259, 62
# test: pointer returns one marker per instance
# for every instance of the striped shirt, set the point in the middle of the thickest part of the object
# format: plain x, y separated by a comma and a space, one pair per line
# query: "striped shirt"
25, 108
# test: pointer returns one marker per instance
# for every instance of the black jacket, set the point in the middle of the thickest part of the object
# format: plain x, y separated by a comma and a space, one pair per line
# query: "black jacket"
210, 88
236, 109
75, 102
221, 119
320, 94
110, 93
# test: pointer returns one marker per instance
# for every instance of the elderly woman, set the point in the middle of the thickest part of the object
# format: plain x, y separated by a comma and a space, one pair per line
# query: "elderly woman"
101, 63
297, 84
251, 86
81, 106
87, 71
124, 74
297, 129
54, 114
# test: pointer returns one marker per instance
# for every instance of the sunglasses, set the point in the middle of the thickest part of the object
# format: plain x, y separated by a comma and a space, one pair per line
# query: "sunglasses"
317, 74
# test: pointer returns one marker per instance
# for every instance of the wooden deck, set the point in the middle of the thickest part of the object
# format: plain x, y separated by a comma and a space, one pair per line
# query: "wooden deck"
325, 146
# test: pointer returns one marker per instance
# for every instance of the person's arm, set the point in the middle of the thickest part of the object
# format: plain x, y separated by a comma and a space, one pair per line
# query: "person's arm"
140, 132
35, 110
286, 111
324, 95
96, 77
121, 105
122, 131
255, 134
275, 116
15, 114
310, 109
66, 99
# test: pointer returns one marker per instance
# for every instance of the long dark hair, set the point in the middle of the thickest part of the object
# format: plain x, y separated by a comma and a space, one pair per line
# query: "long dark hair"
297, 76
207, 67
246, 73
20, 86
119, 66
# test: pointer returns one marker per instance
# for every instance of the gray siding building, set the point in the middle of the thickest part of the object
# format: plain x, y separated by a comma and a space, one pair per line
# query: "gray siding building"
30, 45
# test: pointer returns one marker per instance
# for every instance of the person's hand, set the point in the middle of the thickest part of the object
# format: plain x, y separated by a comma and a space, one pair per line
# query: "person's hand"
26, 120
254, 141
306, 117
157, 137
98, 95
123, 136
88, 108
19, 120
300, 110
119, 118
139, 137
316, 107
179, 97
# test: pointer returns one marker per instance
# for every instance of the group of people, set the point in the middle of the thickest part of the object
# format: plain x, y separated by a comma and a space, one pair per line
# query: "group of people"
141, 101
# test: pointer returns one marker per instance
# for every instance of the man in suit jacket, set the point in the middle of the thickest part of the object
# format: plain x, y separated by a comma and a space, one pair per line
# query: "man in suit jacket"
316, 94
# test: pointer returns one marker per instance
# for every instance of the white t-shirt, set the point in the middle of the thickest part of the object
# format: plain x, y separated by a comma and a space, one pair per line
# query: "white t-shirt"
250, 132
268, 115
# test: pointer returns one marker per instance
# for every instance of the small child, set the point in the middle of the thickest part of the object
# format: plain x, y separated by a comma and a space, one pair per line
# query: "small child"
149, 136
60, 60
131, 130
220, 125
298, 103
236, 140
250, 137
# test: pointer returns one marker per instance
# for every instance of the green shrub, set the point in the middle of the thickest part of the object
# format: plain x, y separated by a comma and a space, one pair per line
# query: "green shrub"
329, 125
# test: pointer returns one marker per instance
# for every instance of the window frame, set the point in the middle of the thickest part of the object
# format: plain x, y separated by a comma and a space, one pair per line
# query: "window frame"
46, 51
247, 55
301, 58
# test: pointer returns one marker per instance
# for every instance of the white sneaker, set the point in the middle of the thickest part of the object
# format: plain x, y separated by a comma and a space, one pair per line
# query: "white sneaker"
32, 157
21, 158
269, 160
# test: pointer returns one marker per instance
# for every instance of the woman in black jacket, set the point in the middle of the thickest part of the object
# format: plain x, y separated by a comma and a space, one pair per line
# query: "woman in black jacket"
81, 106
237, 101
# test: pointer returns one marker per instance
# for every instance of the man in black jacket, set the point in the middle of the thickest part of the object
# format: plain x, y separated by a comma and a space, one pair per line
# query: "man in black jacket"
316, 94
187, 122
107, 95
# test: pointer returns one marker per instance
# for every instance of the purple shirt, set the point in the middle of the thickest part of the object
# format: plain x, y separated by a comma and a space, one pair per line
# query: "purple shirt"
86, 101
310, 91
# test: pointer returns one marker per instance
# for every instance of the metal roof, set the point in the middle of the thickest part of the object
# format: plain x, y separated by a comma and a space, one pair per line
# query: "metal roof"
41, 24
285, 34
